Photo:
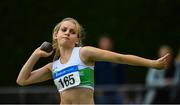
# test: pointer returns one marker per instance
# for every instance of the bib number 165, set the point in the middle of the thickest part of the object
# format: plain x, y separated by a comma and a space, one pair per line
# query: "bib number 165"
67, 80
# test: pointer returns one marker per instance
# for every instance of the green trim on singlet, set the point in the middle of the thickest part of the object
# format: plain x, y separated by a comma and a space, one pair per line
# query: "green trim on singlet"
87, 77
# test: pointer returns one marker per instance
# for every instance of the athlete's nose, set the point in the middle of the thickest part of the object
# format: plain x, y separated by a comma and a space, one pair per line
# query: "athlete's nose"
67, 33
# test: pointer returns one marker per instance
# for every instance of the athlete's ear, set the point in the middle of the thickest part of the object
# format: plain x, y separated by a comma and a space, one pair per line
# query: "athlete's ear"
55, 36
77, 43
77, 40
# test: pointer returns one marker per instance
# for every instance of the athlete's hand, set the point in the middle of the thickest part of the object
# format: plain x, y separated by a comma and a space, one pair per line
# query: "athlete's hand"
162, 62
42, 53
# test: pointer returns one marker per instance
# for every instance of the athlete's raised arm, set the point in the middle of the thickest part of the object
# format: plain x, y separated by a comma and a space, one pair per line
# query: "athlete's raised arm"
29, 76
91, 54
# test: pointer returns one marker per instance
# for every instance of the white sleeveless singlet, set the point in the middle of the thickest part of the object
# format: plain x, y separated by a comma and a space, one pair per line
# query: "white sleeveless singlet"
74, 73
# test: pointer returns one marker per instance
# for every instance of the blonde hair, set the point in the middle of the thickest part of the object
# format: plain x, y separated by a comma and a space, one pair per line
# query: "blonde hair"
55, 31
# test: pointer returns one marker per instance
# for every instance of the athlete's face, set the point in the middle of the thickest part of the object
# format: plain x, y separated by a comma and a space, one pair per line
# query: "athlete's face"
105, 43
67, 34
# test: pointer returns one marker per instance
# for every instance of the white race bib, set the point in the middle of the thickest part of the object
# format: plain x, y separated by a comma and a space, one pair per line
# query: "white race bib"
66, 78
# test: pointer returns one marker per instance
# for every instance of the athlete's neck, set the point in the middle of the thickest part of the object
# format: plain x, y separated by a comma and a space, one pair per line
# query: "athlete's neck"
65, 54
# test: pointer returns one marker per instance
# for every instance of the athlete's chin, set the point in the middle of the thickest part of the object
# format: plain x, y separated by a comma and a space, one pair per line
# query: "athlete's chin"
66, 44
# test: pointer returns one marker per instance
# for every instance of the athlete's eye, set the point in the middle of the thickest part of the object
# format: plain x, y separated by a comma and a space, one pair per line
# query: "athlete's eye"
72, 31
63, 29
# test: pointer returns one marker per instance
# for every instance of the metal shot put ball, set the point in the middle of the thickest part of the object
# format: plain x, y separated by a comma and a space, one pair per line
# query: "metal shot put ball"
46, 46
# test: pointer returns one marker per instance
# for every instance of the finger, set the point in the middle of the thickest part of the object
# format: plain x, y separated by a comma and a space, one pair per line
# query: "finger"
50, 53
165, 57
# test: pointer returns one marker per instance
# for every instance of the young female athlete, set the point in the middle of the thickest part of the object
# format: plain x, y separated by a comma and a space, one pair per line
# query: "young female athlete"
72, 67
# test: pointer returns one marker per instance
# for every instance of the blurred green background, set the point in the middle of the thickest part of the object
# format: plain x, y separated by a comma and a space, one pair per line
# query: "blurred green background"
137, 27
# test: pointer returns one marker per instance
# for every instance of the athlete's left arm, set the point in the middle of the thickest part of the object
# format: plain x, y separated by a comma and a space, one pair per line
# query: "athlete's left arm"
94, 54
